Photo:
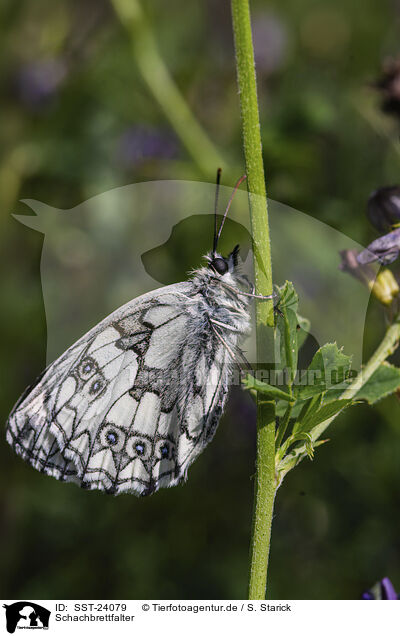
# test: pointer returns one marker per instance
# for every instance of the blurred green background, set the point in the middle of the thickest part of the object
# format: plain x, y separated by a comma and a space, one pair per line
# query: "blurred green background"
78, 118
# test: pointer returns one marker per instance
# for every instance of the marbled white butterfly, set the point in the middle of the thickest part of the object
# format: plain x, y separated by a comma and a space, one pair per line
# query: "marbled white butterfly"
130, 405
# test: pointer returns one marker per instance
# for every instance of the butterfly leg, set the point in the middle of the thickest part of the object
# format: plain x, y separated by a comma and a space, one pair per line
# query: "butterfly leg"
237, 355
248, 294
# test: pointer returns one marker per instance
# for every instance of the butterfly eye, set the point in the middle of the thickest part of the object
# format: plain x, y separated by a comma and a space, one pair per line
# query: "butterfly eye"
96, 387
112, 437
86, 368
164, 450
219, 265
137, 447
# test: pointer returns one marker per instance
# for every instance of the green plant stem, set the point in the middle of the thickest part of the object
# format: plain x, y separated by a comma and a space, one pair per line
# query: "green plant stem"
386, 348
265, 486
156, 75
283, 425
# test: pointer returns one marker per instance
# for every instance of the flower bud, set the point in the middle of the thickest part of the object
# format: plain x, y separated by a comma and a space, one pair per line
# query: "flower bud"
383, 208
385, 288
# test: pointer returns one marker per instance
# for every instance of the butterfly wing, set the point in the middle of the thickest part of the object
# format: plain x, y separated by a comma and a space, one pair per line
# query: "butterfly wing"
130, 405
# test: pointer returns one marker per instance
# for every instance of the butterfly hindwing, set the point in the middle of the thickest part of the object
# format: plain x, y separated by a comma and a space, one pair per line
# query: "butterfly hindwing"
130, 405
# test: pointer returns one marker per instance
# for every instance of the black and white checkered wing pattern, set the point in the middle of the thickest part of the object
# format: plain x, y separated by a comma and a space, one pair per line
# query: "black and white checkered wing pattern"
130, 405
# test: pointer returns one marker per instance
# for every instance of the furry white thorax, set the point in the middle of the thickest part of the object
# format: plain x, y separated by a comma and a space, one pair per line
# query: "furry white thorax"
222, 296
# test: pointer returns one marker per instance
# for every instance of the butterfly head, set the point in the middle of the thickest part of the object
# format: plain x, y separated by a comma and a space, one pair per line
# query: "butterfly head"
221, 265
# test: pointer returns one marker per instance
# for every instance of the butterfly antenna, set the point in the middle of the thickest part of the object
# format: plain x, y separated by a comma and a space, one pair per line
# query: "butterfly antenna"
216, 210
228, 206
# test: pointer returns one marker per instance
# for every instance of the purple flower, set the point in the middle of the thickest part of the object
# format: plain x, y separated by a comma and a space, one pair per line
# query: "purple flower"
38, 81
139, 143
383, 208
388, 591
384, 249
367, 596
381, 591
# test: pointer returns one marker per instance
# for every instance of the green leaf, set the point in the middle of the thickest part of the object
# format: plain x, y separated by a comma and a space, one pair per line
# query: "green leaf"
384, 381
309, 408
281, 407
251, 383
286, 330
316, 416
329, 368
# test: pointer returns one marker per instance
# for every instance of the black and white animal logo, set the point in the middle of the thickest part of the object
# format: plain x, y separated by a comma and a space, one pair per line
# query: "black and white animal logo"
26, 615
